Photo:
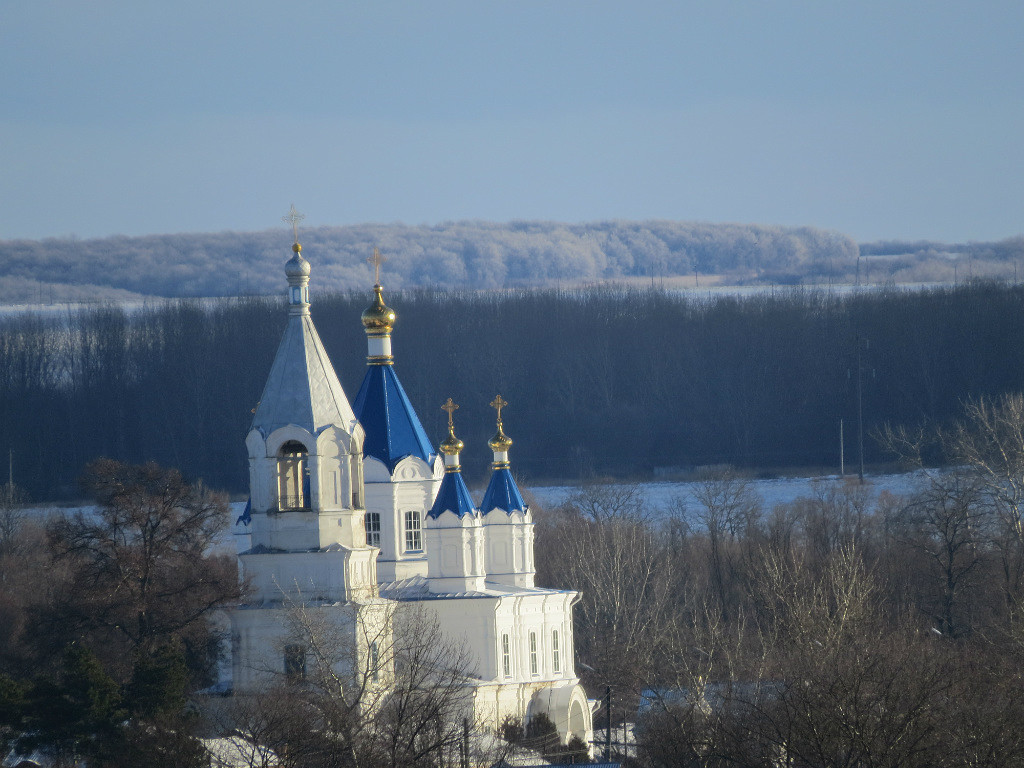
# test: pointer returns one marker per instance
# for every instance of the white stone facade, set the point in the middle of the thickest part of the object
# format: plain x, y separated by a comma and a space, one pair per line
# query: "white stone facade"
335, 530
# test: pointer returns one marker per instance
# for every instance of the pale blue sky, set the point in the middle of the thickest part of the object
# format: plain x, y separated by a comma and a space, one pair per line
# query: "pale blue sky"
878, 119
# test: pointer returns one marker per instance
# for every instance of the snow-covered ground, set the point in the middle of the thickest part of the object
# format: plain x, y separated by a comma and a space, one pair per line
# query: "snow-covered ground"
658, 497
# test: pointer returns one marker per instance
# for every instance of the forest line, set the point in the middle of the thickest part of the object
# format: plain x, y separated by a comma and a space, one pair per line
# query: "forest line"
601, 383
482, 255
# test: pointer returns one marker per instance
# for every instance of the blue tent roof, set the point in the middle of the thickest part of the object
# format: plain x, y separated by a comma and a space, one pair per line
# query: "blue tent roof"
502, 493
393, 431
454, 496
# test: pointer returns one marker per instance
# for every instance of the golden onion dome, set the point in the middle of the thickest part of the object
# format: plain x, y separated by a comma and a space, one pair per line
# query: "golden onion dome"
378, 316
501, 442
452, 446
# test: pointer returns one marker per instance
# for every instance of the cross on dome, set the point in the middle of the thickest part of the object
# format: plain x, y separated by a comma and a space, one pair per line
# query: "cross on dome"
451, 407
377, 260
497, 404
293, 218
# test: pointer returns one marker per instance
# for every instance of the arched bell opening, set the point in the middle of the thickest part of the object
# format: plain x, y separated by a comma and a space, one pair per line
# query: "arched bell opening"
293, 486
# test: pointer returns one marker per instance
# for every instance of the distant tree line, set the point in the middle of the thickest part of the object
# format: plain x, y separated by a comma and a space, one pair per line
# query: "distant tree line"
614, 383
474, 254
484, 255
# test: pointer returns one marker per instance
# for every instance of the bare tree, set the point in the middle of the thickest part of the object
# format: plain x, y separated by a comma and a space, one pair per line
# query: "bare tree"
729, 510
601, 544
378, 684
12, 517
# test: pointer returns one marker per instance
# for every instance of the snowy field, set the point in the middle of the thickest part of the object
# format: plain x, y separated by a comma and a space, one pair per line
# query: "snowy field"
659, 497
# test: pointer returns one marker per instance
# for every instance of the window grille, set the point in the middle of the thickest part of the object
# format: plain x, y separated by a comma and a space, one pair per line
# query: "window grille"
413, 532
373, 529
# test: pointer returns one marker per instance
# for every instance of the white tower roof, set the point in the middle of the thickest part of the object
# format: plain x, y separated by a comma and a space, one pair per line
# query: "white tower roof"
302, 388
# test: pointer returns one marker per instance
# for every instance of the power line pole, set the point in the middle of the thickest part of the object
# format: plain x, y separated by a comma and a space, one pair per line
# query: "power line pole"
842, 458
860, 409
608, 724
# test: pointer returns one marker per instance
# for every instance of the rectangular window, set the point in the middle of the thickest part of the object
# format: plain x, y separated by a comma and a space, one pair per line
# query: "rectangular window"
533, 654
413, 534
373, 529
295, 663
556, 663
374, 662
506, 656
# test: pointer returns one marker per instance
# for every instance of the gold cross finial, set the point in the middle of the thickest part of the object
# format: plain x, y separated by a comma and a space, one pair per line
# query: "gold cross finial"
497, 404
451, 407
293, 218
377, 260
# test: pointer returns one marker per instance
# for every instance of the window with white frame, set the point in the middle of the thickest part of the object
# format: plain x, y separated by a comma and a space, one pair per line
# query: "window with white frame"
373, 529
556, 662
506, 656
533, 654
413, 532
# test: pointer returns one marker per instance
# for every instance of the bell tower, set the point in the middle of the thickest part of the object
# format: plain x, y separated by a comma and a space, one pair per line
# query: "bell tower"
306, 465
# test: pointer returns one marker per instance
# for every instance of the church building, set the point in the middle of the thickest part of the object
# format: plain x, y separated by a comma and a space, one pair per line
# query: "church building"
354, 511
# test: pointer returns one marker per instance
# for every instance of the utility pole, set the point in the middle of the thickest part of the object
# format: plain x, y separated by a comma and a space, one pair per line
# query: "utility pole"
465, 742
860, 410
608, 724
842, 460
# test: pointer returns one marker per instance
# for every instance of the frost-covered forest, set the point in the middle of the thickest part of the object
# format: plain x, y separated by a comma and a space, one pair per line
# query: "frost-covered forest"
600, 382
478, 255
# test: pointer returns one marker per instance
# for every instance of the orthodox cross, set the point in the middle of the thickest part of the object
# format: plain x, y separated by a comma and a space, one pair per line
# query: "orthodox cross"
377, 260
497, 404
451, 407
293, 218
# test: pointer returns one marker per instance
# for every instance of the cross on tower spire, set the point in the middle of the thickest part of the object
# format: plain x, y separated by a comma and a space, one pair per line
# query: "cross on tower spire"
377, 260
451, 406
293, 218
497, 404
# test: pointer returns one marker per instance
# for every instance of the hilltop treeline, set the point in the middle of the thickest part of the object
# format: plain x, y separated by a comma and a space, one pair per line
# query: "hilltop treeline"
600, 382
477, 255
482, 255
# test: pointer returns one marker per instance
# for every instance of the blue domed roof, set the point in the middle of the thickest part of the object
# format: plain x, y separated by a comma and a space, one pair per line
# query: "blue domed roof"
393, 430
453, 496
502, 493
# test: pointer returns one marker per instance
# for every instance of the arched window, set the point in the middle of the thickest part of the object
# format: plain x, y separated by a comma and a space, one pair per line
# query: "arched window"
556, 661
292, 476
533, 654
